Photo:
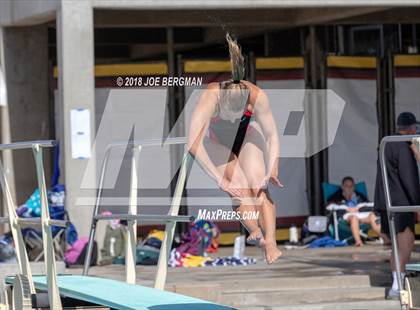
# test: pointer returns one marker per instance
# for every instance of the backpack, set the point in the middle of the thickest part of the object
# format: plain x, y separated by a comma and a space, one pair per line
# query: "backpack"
76, 254
114, 242
94, 257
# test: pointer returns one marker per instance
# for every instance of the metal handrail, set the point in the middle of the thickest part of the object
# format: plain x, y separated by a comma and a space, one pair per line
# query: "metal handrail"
384, 141
148, 142
170, 218
44, 221
391, 210
147, 218
35, 221
27, 144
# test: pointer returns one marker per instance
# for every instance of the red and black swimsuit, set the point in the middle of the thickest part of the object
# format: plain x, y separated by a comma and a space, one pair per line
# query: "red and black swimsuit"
230, 134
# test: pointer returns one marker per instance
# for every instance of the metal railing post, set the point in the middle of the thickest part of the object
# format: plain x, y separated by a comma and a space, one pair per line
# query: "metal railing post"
131, 257
14, 220
21, 254
94, 221
49, 256
165, 249
392, 210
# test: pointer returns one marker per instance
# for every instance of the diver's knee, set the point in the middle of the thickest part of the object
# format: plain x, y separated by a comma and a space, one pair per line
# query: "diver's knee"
256, 185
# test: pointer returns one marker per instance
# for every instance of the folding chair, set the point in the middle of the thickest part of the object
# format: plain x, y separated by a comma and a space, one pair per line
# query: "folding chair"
340, 229
33, 237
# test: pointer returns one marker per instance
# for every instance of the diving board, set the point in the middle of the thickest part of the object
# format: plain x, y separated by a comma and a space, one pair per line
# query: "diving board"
121, 295
413, 267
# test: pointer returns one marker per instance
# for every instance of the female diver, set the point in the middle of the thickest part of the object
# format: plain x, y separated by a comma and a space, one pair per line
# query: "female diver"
234, 138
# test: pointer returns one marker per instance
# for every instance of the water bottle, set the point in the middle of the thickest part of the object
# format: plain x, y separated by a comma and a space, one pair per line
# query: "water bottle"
112, 246
201, 250
293, 234
239, 247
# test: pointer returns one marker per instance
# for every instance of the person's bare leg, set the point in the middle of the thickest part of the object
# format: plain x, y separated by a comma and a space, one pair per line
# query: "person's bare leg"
227, 164
355, 230
251, 225
405, 242
387, 241
251, 159
247, 205
268, 212
371, 220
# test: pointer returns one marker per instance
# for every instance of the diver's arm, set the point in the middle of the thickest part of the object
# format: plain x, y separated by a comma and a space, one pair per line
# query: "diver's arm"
198, 127
265, 119
199, 124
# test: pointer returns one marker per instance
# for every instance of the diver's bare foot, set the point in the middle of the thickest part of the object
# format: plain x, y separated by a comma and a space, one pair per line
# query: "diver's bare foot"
271, 252
358, 244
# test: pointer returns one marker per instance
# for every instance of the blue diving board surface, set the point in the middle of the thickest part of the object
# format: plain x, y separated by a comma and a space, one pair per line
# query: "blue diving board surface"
413, 267
121, 295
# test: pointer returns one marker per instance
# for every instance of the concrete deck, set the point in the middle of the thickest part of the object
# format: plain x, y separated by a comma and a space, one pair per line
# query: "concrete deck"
337, 278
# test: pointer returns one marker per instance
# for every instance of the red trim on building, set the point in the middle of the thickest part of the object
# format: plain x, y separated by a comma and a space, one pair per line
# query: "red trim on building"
349, 73
409, 72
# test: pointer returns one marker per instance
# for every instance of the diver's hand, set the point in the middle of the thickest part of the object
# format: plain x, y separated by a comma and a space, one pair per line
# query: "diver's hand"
229, 187
273, 179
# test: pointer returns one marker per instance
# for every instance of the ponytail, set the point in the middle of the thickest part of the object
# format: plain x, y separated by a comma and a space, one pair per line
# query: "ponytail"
236, 59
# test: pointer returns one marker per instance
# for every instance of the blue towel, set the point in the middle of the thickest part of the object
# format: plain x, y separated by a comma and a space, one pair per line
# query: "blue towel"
326, 242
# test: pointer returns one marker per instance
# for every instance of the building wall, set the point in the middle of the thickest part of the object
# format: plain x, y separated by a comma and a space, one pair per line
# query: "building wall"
26, 68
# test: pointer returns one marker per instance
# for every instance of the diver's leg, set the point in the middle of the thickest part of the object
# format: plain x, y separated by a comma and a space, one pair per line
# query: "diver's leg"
227, 164
251, 159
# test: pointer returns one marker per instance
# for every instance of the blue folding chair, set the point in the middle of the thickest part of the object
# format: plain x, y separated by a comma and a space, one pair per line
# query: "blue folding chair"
343, 228
32, 236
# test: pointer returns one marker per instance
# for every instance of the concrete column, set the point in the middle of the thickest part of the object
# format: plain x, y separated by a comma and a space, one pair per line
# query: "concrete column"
25, 54
315, 118
75, 48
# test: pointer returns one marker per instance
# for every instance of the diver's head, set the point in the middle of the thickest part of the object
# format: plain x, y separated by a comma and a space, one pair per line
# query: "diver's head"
233, 93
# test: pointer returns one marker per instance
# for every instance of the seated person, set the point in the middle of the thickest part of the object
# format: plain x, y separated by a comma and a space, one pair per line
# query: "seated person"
351, 198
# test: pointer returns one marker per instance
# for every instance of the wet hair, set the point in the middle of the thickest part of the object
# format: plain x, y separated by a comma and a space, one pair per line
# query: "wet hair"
233, 93
348, 178
237, 61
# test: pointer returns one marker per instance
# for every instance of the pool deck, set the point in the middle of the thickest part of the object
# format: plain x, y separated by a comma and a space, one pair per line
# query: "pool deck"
333, 278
